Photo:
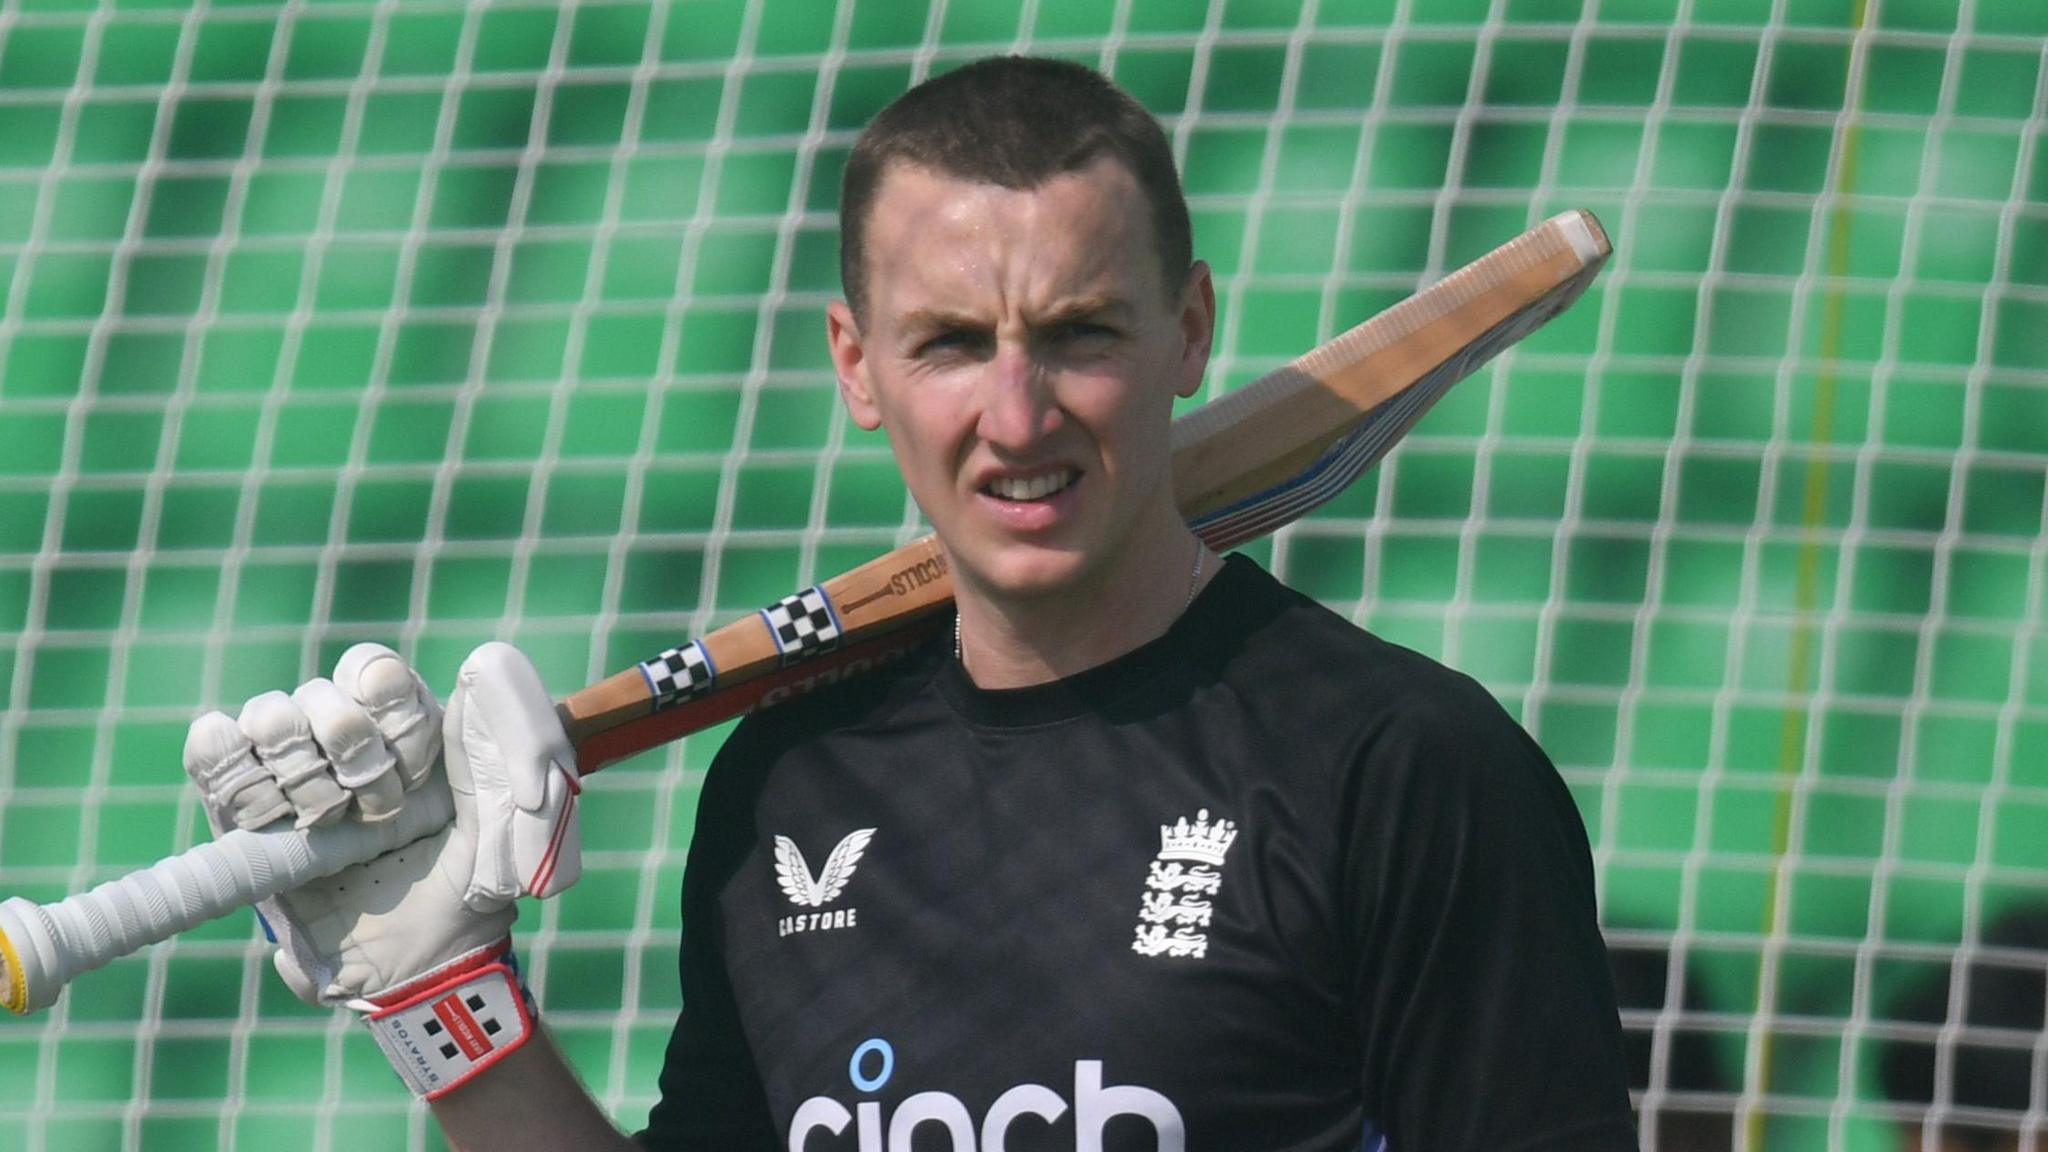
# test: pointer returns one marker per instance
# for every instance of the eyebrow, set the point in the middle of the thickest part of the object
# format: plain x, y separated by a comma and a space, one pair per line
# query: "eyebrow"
938, 320
941, 319
1104, 305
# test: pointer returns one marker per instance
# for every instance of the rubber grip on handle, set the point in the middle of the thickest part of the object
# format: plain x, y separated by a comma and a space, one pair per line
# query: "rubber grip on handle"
43, 947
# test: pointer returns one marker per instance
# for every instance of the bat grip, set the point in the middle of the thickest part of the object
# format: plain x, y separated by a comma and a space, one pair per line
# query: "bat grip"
43, 947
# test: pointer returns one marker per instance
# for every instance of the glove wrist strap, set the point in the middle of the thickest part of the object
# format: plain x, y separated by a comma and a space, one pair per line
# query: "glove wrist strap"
440, 1037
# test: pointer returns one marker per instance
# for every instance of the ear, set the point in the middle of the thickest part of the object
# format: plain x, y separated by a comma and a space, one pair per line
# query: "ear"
849, 363
1197, 328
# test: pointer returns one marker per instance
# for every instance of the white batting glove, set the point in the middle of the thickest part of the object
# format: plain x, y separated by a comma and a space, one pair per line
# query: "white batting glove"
420, 937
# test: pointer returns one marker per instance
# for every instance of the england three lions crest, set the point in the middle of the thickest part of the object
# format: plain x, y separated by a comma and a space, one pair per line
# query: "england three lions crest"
1174, 914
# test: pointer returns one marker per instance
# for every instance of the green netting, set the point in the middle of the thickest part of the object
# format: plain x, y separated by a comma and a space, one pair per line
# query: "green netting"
434, 323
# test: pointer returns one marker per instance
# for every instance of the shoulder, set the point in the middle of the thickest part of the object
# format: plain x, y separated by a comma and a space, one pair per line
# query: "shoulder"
1318, 671
844, 705
1392, 740
764, 740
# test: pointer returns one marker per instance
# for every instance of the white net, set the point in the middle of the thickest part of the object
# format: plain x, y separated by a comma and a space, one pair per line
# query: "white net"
433, 322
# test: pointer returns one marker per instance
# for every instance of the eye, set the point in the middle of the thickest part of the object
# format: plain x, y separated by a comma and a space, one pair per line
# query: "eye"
1082, 341
953, 341
1083, 331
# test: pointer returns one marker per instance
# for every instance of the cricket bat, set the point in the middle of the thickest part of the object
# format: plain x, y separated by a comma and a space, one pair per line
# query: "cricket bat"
1243, 465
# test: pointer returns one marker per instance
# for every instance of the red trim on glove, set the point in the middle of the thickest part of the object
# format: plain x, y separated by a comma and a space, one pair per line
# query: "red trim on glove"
545, 871
441, 1037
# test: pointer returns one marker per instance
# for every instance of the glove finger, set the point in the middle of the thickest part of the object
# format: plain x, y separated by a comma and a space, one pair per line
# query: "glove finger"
236, 790
356, 752
380, 799
284, 744
398, 702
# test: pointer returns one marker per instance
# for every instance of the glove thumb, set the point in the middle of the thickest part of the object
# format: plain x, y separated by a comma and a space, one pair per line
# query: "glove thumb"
506, 746
296, 978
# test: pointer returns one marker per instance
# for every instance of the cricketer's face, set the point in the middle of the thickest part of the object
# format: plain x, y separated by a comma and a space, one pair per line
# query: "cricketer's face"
1023, 357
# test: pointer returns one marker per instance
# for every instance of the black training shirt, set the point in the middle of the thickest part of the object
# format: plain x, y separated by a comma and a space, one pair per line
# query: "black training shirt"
1265, 884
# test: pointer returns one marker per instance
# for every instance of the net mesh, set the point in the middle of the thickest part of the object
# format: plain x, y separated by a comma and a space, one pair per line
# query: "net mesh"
434, 323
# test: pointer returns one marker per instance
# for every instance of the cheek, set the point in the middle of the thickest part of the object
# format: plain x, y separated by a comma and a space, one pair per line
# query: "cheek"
924, 424
1132, 421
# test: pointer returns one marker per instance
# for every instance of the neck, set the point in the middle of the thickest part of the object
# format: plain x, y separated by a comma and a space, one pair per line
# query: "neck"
1015, 642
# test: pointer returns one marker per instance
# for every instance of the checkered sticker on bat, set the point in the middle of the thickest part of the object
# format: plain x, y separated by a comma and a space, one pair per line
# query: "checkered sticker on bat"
679, 674
803, 625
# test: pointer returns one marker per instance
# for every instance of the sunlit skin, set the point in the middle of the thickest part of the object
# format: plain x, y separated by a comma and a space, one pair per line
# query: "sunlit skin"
1013, 335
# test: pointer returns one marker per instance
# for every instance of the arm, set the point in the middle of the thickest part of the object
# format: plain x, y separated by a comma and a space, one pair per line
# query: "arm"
531, 1099
1485, 1009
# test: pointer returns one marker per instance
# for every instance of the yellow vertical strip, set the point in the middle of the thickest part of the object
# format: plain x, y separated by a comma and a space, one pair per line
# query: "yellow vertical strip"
1813, 506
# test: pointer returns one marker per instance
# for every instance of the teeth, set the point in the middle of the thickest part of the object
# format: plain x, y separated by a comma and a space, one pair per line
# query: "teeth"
1034, 488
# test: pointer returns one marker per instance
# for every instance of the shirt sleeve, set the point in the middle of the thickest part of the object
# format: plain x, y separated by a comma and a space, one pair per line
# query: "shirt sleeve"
711, 1094
1486, 1012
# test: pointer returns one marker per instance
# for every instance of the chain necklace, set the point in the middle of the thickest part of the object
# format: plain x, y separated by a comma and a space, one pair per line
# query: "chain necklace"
1194, 579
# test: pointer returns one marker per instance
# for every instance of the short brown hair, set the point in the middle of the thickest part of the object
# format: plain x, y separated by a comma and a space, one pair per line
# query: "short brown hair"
1014, 121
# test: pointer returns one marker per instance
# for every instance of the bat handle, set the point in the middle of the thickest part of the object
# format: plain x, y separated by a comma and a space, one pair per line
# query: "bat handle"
43, 947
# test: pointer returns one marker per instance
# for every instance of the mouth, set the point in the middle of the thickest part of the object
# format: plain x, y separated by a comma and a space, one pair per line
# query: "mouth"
1031, 489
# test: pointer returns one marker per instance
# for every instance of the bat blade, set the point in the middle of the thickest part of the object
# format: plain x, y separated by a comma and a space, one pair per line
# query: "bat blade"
1286, 443
1244, 465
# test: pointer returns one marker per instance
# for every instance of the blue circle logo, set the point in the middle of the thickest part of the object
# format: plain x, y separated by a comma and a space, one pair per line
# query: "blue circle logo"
879, 1047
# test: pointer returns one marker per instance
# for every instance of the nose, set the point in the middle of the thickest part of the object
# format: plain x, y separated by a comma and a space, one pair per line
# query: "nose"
1018, 407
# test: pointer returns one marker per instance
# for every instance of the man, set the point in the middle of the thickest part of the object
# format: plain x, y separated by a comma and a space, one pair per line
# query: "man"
1155, 854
